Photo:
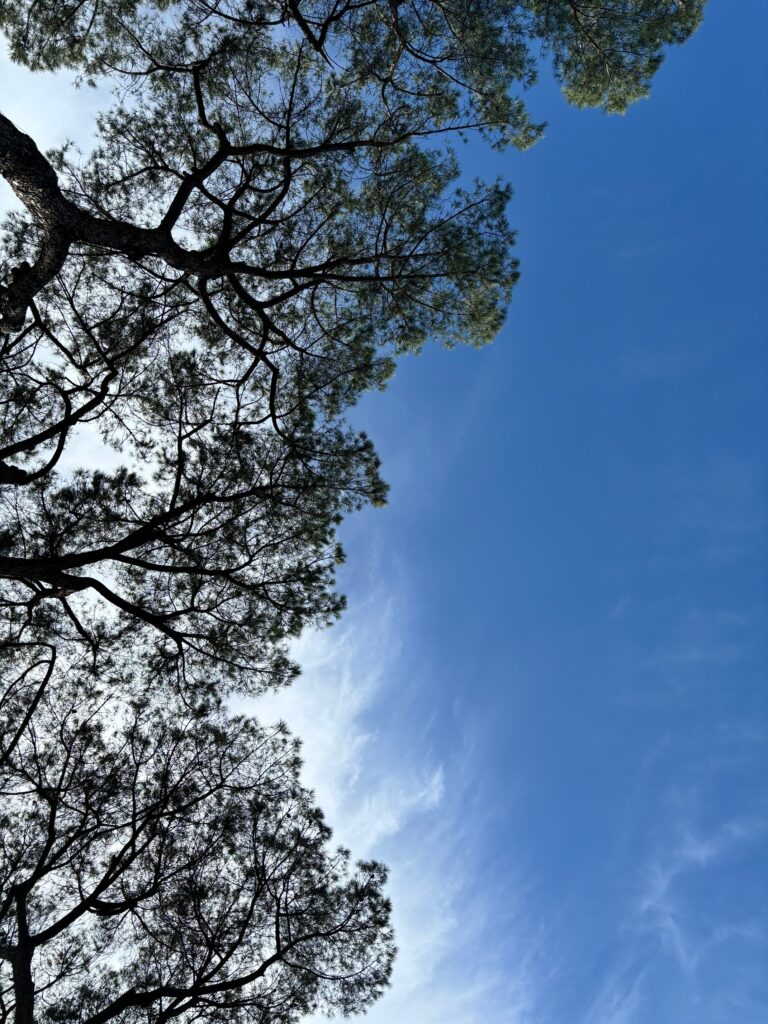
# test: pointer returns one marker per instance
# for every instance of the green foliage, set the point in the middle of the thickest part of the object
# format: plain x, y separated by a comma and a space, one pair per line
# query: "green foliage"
441, 54
605, 54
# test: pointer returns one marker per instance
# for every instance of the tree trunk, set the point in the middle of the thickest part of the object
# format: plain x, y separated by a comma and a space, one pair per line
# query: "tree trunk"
23, 985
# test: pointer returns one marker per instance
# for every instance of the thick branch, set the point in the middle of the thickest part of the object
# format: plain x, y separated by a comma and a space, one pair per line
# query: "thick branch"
34, 181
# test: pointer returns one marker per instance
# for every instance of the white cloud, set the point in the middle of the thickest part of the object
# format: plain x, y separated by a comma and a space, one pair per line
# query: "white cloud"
663, 912
619, 999
467, 954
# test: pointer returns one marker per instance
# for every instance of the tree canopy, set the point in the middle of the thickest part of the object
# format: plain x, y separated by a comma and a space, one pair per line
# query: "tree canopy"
160, 863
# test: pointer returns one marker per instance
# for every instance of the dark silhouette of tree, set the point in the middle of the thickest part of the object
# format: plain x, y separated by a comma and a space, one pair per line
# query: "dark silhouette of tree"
163, 863
269, 217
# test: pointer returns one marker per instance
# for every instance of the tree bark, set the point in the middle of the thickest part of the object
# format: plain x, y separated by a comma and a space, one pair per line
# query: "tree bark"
62, 222
34, 181
23, 985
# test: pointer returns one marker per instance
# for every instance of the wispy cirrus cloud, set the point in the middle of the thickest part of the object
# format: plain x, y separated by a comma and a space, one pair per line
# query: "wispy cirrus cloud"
663, 909
620, 996
676, 942
467, 952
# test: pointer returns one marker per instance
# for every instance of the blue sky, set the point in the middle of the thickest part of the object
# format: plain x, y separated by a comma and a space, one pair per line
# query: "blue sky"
546, 707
